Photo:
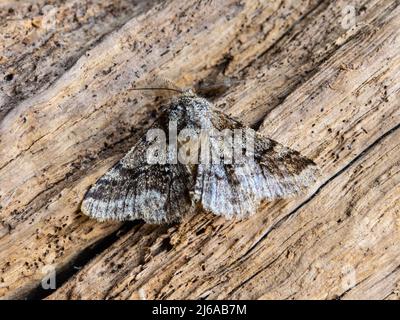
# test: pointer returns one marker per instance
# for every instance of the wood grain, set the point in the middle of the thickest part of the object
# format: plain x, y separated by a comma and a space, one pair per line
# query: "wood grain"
41, 40
318, 251
329, 92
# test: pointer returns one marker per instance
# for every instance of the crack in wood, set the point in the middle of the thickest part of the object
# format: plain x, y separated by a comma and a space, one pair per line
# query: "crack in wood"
366, 135
81, 259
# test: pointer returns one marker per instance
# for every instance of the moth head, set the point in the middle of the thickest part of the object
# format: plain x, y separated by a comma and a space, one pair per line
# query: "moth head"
189, 93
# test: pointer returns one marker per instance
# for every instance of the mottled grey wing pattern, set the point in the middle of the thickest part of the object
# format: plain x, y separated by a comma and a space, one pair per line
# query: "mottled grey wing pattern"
133, 189
237, 190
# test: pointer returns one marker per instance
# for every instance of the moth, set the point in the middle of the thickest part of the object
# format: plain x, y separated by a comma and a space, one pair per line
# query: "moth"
166, 191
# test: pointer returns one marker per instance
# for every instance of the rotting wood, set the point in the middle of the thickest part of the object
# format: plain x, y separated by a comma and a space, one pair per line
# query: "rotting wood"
46, 172
319, 253
207, 256
39, 41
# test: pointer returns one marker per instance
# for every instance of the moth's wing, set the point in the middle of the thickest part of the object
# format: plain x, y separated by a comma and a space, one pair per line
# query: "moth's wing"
236, 190
285, 171
133, 189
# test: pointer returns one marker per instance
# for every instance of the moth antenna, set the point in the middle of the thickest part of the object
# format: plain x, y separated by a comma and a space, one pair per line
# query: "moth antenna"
205, 85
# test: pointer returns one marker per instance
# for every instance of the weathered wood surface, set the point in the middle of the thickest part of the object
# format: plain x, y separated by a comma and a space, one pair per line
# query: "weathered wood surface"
330, 92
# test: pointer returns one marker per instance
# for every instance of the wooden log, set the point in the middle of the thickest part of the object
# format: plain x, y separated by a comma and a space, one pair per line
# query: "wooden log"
323, 250
216, 259
322, 89
45, 173
40, 41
